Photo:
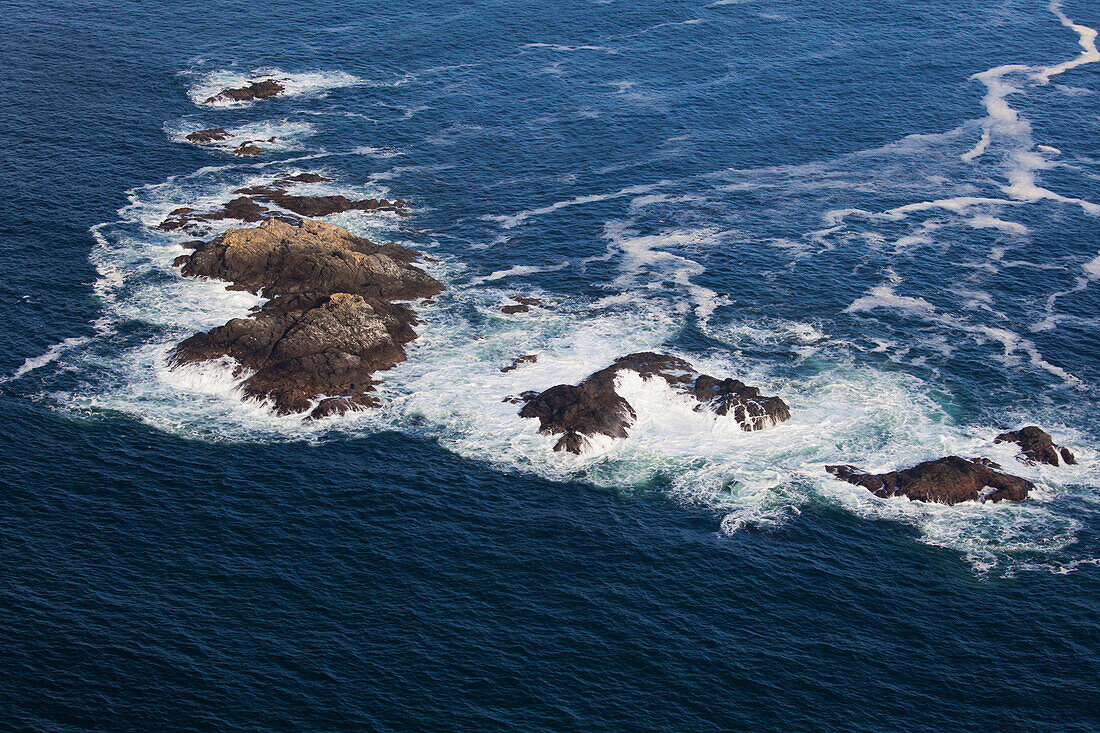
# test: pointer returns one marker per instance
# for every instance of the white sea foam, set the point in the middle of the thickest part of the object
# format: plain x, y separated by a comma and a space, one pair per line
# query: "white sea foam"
207, 86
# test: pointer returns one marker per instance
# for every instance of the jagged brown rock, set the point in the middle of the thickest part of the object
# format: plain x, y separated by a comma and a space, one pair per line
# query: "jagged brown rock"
1036, 446
247, 150
256, 90
202, 137
330, 322
593, 407
947, 480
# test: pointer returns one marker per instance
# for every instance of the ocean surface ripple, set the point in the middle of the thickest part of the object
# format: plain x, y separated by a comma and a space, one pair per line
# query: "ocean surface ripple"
888, 216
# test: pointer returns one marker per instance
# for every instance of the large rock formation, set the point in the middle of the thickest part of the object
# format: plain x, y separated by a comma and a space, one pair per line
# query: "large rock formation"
944, 481
593, 407
330, 322
256, 90
1036, 446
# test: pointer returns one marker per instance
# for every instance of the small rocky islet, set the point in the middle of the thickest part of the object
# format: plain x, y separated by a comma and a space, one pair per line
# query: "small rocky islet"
260, 89
331, 320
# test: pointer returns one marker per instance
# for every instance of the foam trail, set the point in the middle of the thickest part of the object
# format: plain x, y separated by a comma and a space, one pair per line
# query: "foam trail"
514, 220
644, 256
1091, 273
52, 354
1089, 53
1004, 122
518, 271
884, 296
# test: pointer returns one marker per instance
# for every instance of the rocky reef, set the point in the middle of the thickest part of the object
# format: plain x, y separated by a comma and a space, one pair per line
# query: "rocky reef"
593, 407
1036, 446
204, 137
276, 200
943, 481
264, 89
331, 320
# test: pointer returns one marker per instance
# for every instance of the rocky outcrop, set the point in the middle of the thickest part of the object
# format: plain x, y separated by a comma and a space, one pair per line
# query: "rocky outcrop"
330, 322
247, 150
944, 481
1036, 446
593, 407
256, 90
256, 203
203, 137
311, 206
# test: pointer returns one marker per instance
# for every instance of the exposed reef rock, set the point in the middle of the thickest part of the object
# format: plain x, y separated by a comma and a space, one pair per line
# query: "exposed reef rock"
330, 322
256, 90
202, 137
520, 361
278, 194
1036, 446
255, 204
522, 305
944, 481
593, 407
247, 149
241, 208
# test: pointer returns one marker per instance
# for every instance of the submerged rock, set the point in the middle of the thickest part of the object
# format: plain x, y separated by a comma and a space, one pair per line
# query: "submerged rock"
1036, 446
593, 407
256, 90
202, 137
944, 481
330, 322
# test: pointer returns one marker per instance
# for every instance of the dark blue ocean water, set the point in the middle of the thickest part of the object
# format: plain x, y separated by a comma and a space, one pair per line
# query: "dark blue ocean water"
886, 213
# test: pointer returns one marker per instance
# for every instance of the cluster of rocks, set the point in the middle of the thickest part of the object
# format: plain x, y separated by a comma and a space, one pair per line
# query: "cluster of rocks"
578, 412
953, 479
276, 201
331, 321
263, 89
335, 316
247, 149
